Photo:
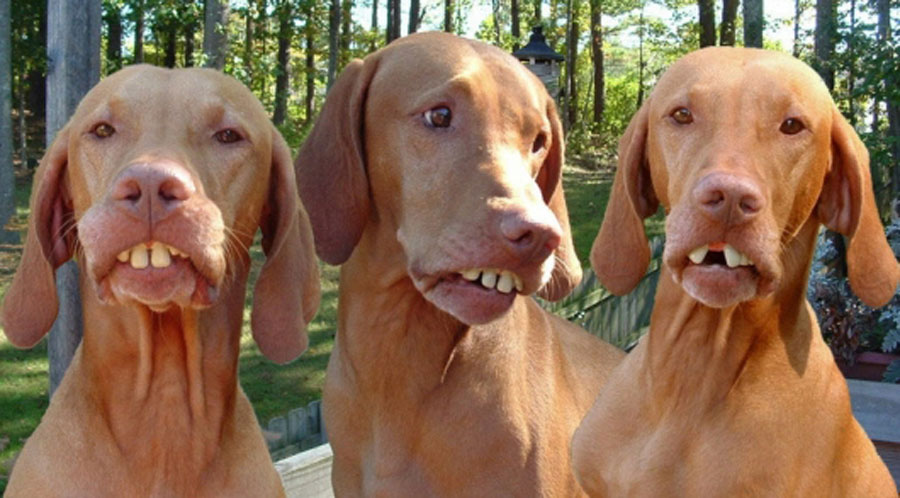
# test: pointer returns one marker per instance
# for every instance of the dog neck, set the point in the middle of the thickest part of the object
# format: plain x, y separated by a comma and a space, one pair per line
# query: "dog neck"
385, 325
699, 353
169, 377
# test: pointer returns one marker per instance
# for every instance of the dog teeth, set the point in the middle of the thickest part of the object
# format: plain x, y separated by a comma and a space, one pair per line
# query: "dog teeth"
157, 255
471, 275
732, 257
505, 284
697, 255
139, 257
488, 279
501, 280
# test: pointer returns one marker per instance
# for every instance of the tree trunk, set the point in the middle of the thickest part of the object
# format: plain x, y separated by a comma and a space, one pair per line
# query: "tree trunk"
23, 126
707, 17
215, 41
285, 34
170, 31
640, 95
495, 10
346, 32
572, 35
7, 176
113, 39
753, 23
851, 66
514, 24
189, 29
414, 16
798, 10
891, 81
139, 32
824, 41
334, 33
448, 16
393, 21
73, 67
729, 13
310, 64
248, 43
597, 56
537, 11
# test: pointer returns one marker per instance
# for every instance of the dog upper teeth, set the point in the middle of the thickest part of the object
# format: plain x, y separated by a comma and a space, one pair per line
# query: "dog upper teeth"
697, 255
733, 257
158, 255
502, 280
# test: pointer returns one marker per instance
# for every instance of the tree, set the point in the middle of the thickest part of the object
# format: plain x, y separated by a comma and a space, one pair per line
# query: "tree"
415, 16
73, 51
393, 21
729, 13
891, 82
334, 24
798, 10
573, 33
514, 24
753, 23
285, 37
310, 35
112, 15
707, 17
448, 16
139, 32
346, 31
7, 178
824, 36
597, 57
215, 41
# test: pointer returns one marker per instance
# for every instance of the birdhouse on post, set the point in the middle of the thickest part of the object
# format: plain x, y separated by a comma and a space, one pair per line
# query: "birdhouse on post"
542, 60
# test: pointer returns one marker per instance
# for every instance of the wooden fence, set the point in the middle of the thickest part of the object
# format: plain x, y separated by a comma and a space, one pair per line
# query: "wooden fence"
299, 430
619, 320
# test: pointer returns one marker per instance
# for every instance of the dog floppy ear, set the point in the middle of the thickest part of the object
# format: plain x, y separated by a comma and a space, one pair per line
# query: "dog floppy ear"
566, 269
30, 304
331, 170
620, 254
286, 295
847, 205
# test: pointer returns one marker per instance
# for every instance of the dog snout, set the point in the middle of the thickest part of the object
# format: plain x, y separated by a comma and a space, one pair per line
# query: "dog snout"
728, 199
153, 189
529, 238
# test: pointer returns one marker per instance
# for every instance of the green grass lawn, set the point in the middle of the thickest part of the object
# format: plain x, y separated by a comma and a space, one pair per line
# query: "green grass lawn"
273, 389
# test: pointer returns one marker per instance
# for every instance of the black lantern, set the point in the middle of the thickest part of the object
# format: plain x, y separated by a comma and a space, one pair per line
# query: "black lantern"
542, 60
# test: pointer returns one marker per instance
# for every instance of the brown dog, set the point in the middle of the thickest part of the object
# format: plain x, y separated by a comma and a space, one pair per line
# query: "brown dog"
157, 184
734, 392
435, 168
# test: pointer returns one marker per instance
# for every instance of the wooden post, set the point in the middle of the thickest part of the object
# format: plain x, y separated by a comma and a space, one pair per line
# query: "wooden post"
73, 67
7, 178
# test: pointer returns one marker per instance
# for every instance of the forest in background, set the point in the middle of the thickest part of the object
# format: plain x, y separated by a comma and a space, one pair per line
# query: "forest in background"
289, 51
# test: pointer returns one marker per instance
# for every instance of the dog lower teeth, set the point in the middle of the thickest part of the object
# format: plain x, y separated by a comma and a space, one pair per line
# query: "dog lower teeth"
157, 255
501, 280
733, 257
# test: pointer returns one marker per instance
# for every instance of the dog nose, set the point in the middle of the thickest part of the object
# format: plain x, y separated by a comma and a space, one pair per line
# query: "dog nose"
156, 189
528, 238
728, 199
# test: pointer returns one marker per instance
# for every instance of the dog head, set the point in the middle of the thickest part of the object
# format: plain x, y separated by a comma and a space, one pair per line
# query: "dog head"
743, 148
158, 184
456, 149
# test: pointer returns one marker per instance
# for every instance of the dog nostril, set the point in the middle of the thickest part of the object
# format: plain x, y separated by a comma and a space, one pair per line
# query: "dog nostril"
173, 190
525, 239
750, 205
714, 198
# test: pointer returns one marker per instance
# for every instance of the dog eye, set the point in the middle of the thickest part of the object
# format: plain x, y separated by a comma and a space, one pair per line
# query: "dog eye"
792, 126
539, 142
228, 136
439, 117
682, 115
103, 130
